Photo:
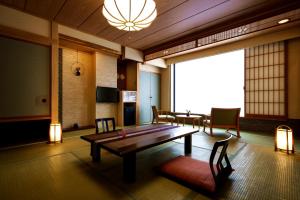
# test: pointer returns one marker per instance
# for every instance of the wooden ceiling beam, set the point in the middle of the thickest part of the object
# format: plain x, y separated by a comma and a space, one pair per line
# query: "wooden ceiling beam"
23, 35
74, 43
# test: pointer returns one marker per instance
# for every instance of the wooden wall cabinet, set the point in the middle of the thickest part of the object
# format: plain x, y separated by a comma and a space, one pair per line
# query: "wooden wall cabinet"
127, 108
127, 84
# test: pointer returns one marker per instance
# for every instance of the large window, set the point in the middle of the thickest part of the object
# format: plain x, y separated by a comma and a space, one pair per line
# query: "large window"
215, 81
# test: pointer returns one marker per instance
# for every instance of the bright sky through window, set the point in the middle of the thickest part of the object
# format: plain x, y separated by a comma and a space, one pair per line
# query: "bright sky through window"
215, 81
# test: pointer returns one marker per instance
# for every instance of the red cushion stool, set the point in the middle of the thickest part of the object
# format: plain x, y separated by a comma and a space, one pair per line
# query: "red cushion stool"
200, 174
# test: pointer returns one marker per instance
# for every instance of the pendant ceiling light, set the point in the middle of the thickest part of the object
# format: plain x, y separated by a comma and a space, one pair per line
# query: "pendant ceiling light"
129, 15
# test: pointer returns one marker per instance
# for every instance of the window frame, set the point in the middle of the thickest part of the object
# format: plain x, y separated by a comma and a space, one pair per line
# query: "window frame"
246, 114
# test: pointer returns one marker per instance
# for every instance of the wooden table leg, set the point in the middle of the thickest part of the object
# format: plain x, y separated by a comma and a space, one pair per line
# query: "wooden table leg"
129, 167
188, 144
95, 152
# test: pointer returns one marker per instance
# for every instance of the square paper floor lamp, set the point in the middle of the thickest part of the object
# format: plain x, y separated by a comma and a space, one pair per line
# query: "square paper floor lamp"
55, 133
284, 139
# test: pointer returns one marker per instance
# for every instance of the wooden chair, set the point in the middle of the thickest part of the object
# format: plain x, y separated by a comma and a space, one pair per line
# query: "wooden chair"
227, 118
163, 116
201, 174
103, 123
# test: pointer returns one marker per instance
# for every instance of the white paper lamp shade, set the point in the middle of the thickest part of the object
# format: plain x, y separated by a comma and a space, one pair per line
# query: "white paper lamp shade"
55, 133
284, 139
129, 15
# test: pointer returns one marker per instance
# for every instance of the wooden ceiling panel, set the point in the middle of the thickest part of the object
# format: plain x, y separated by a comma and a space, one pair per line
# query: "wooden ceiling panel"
76, 12
163, 6
95, 23
47, 8
177, 21
111, 33
18, 4
234, 18
178, 15
210, 17
195, 23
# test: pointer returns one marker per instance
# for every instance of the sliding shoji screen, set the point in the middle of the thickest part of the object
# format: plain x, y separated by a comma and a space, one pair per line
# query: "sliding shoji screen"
265, 81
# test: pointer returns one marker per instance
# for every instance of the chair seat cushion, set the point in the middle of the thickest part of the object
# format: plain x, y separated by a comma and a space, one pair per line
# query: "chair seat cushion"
207, 121
166, 116
193, 172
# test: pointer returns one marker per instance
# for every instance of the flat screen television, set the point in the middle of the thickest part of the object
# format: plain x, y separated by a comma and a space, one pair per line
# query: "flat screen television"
107, 95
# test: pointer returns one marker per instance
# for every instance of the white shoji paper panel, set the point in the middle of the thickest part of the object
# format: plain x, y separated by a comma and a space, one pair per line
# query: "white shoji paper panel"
265, 80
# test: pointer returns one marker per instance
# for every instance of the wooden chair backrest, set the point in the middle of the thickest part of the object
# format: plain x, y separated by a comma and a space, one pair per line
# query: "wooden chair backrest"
217, 167
225, 116
105, 124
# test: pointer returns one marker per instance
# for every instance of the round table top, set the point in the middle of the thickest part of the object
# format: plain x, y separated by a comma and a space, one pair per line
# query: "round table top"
190, 116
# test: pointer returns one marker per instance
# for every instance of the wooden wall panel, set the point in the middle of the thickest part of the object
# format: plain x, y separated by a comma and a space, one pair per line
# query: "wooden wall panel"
131, 76
294, 78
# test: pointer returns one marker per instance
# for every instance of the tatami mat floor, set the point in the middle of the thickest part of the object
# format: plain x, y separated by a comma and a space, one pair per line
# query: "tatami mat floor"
65, 171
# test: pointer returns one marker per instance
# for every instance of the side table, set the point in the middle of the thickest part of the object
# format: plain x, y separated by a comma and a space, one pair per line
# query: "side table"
192, 117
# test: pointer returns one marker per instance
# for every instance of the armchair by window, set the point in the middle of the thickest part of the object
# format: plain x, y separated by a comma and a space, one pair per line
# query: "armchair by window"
227, 118
163, 116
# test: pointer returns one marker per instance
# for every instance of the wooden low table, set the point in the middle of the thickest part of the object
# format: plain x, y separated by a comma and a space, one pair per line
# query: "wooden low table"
126, 146
96, 139
192, 117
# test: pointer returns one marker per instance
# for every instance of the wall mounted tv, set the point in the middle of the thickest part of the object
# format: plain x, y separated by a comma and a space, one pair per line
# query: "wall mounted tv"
107, 95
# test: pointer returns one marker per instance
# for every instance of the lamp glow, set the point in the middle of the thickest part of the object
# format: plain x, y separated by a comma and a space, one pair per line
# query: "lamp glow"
129, 15
55, 133
284, 139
